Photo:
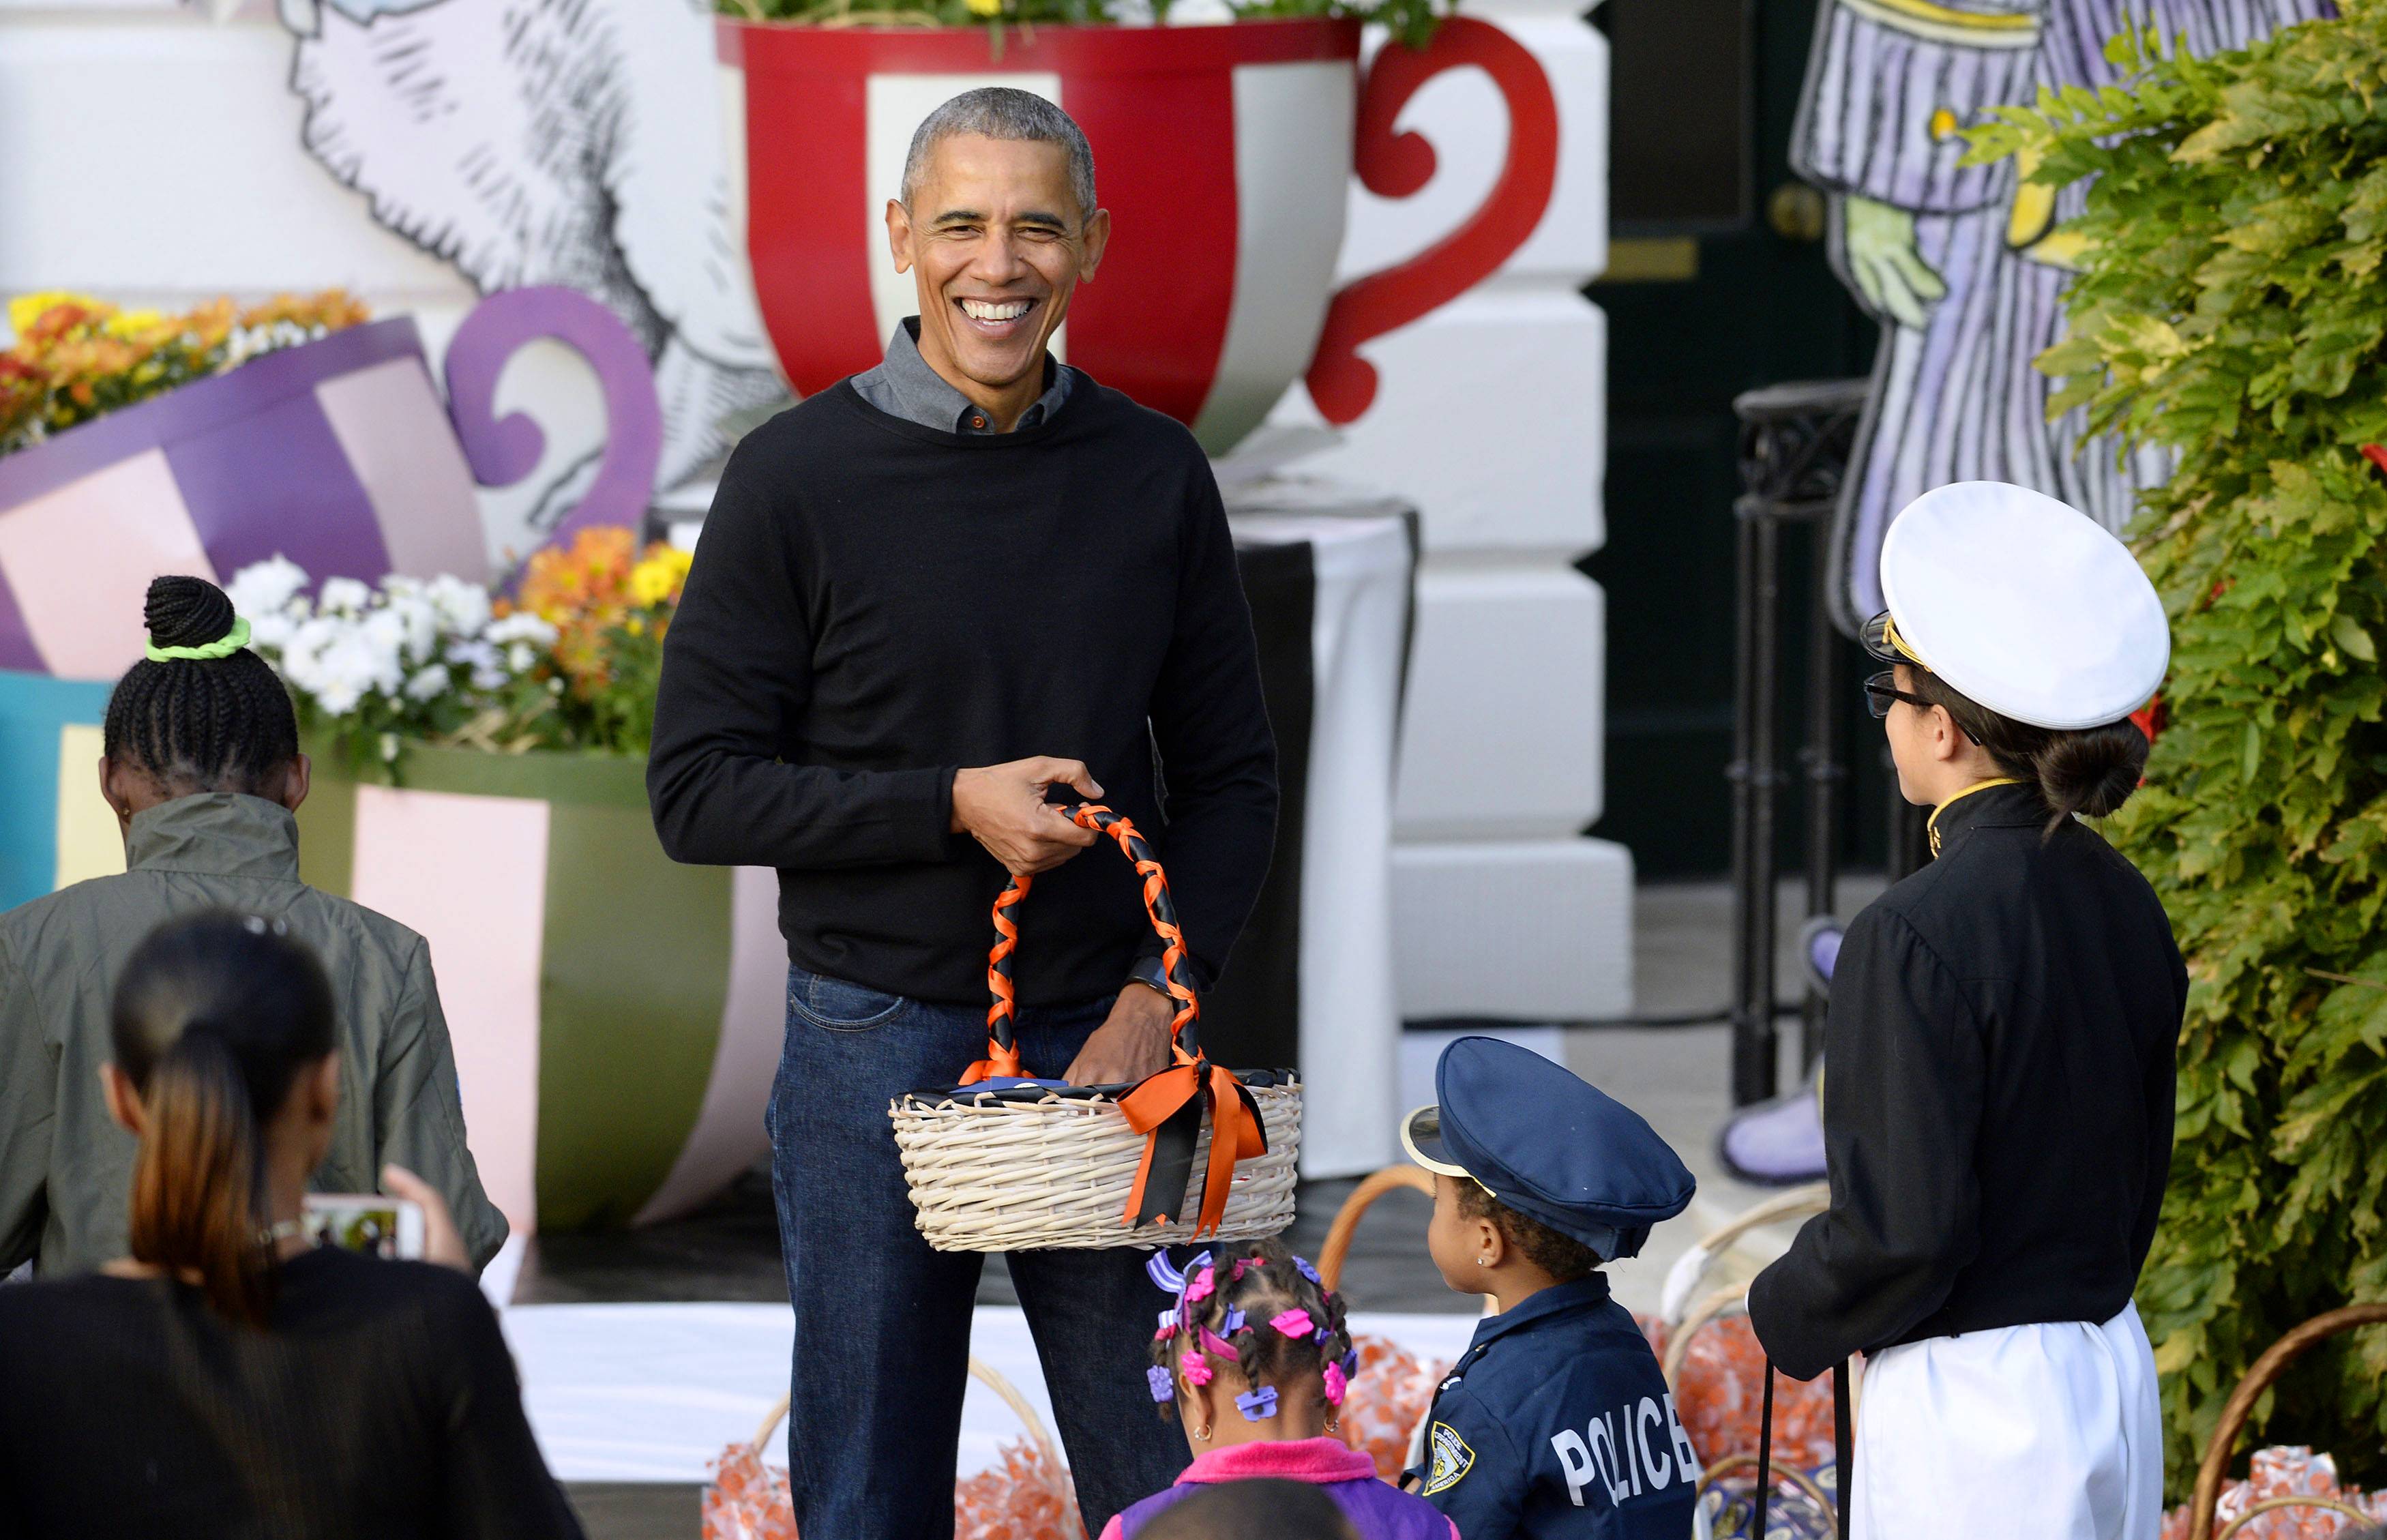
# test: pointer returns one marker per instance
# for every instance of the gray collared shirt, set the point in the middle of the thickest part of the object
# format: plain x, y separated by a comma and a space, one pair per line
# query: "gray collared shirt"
906, 386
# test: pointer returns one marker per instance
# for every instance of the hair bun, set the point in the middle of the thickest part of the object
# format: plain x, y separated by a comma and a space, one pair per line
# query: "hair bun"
186, 611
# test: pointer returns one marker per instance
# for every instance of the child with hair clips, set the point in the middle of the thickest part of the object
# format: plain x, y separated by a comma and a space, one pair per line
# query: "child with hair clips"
1255, 1356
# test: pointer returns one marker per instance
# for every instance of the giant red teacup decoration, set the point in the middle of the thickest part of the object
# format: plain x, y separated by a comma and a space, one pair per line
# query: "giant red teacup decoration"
1223, 153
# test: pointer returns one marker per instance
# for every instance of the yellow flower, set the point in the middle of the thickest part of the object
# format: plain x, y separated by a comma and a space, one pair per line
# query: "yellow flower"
986, 7
658, 579
131, 323
27, 308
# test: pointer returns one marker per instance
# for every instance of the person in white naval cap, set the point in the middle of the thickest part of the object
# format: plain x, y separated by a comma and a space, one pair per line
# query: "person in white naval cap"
1997, 1117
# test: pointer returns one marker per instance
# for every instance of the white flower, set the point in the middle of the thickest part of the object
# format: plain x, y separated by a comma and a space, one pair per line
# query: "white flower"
521, 626
428, 684
520, 657
418, 624
340, 661
483, 660
264, 588
346, 596
271, 630
463, 607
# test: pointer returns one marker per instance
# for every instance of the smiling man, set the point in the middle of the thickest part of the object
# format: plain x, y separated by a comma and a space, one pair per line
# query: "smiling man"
929, 602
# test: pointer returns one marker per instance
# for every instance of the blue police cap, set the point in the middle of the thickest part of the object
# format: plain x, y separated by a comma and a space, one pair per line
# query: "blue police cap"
1548, 1144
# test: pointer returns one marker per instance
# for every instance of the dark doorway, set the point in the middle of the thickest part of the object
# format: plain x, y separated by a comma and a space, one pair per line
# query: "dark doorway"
1717, 284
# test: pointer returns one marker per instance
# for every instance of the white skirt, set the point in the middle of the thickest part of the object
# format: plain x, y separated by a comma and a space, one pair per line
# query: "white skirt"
2049, 1432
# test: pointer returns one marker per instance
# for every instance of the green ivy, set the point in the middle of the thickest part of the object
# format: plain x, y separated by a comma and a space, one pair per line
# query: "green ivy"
2229, 307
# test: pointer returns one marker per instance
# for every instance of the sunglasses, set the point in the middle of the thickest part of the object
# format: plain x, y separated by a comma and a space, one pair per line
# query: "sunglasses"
1881, 691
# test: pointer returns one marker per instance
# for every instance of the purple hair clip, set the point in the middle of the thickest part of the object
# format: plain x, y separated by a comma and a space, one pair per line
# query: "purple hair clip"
1323, 1335
1301, 1266
1257, 1403
1234, 1321
1351, 1364
1163, 1387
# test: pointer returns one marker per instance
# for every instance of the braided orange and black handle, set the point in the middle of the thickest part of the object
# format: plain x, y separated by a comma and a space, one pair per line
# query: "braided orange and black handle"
1002, 1049
1169, 1106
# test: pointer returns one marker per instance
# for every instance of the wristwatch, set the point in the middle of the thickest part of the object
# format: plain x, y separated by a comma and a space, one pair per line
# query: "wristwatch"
1150, 973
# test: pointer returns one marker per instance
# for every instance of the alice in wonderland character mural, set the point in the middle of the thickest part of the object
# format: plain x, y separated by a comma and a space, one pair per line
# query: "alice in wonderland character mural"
1965, 266
571, 142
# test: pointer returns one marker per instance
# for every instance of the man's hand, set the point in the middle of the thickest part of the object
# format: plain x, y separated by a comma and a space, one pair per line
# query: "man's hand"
441, 1243
1877, 251
1131, 1045
1002, 807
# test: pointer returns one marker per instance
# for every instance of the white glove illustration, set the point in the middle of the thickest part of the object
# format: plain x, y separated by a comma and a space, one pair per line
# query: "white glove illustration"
1877, 255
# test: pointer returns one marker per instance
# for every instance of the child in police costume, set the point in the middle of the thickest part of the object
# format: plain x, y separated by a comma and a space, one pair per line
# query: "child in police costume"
1998, 1116
1556, 1422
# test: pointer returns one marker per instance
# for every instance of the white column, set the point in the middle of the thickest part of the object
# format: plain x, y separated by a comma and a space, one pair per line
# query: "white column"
1491, 416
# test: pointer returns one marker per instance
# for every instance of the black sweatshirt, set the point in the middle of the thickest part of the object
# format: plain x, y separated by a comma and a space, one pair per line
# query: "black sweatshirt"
876, 604
1998, 1095
379, 1404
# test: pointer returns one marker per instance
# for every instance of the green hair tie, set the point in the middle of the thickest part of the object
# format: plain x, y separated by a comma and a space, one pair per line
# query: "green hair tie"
225, 645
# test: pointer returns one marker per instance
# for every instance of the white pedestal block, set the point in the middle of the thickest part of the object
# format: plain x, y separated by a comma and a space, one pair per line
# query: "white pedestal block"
1501, 733
1461, 115
1491, 415
1523, 930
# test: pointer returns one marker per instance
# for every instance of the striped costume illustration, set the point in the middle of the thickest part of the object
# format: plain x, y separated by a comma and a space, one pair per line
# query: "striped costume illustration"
1964, 265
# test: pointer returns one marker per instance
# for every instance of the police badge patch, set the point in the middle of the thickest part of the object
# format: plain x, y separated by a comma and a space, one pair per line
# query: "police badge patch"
1452, 1459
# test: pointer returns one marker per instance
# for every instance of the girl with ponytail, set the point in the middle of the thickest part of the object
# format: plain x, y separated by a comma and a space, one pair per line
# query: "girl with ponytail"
226, 1378
203, 770
1998, 1115
225, 1072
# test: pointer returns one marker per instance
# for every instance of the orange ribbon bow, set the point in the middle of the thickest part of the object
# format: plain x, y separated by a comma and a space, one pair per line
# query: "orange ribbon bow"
1168, 1108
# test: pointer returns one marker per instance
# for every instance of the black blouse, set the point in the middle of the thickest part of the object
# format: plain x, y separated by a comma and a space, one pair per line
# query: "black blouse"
1997, 1099
381, 1401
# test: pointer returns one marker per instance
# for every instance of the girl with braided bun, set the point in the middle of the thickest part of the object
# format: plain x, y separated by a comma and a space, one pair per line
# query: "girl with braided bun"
1254, 1356
202, 767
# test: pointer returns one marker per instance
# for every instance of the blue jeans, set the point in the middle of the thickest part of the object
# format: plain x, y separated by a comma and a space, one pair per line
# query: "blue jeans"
883, 1321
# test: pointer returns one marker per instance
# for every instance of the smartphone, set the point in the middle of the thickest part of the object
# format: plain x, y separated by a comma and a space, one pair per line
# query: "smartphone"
369, 1222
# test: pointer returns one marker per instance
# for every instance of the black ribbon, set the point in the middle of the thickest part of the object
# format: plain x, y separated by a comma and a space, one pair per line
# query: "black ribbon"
1171, 1170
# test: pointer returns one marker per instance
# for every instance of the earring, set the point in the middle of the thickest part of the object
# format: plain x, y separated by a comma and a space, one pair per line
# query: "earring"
1483, 1261
1202, 1434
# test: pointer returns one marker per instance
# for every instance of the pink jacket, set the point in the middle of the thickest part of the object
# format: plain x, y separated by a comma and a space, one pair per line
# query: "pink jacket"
1379, 1510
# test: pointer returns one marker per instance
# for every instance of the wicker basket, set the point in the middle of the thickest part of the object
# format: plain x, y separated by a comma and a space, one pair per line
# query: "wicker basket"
2240, 1407
998, 1164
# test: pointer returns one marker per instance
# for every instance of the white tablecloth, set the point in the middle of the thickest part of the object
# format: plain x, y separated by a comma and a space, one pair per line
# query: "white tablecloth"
654, 1393
1350, 1016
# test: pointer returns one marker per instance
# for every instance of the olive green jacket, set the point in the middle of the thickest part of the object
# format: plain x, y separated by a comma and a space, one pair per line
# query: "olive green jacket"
66, 1168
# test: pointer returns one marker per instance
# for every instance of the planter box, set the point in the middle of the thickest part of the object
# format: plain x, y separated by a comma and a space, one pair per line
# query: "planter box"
56, 828
337, 453
617, 1017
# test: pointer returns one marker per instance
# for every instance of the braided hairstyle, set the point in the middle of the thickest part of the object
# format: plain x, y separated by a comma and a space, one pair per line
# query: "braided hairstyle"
212, 725
1236, 1296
